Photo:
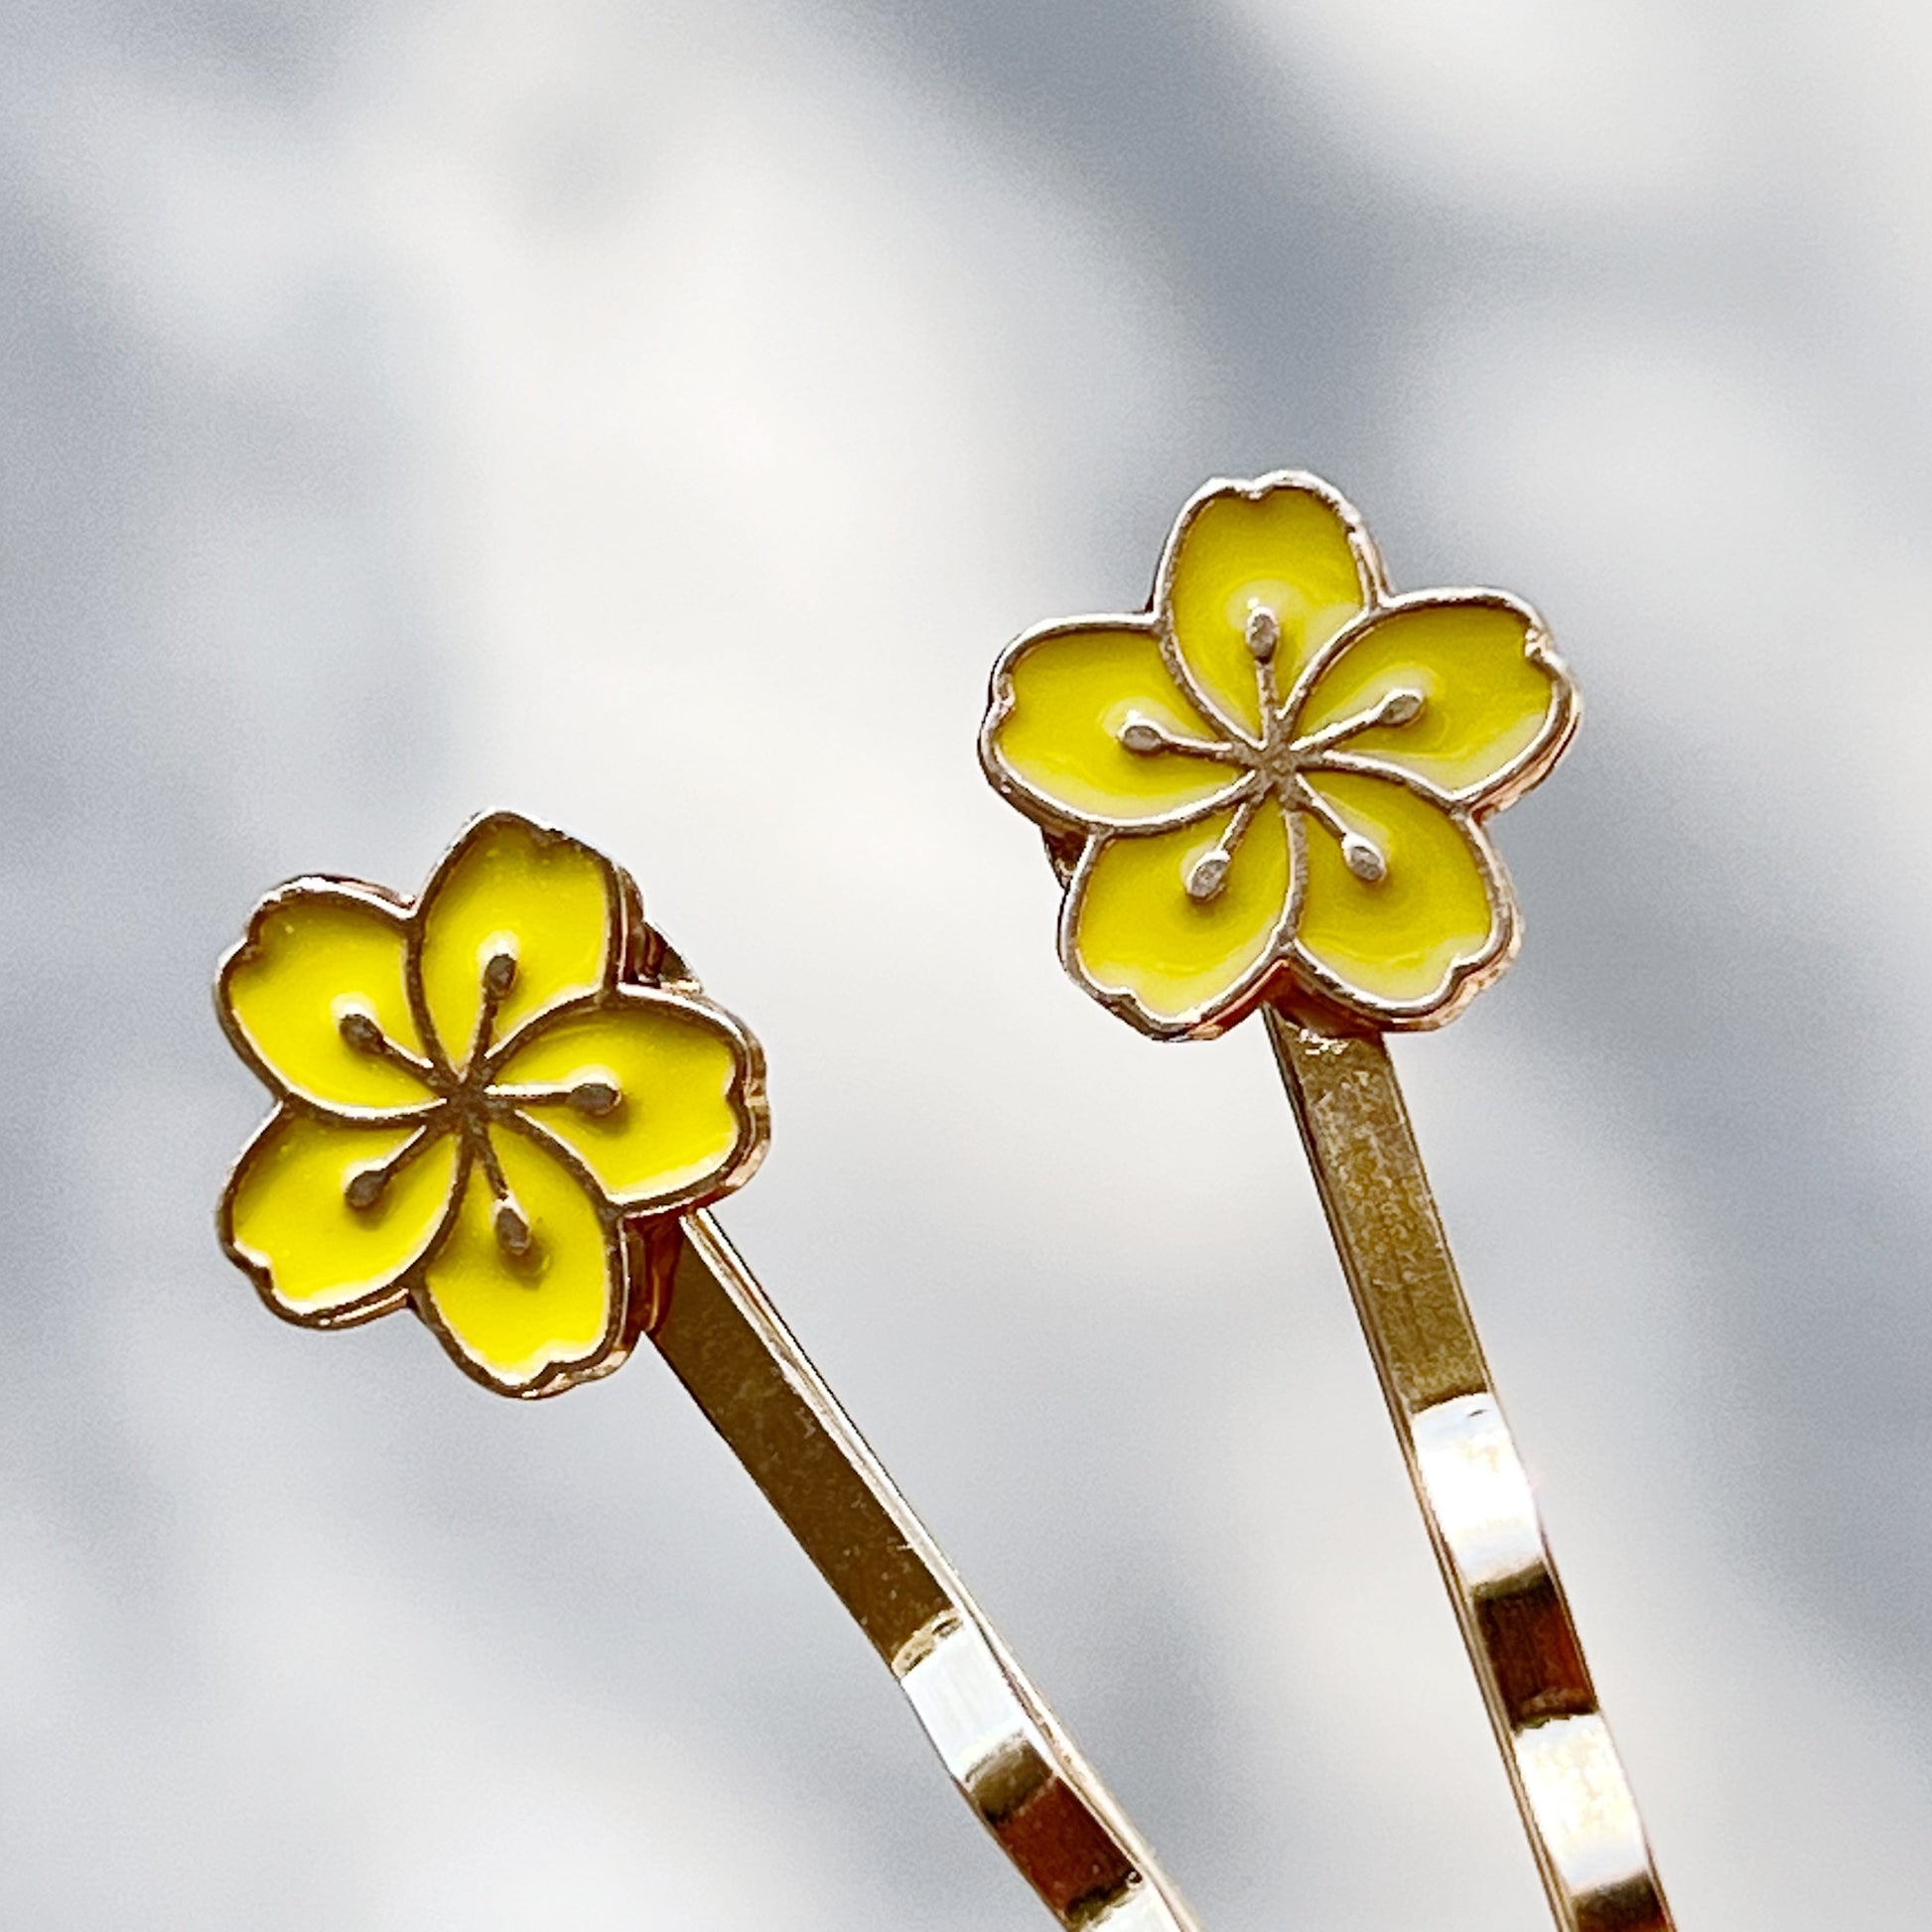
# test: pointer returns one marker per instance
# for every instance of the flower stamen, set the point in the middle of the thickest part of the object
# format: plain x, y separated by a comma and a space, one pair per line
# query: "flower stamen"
1401, 706
511, 1224
1142, 735
362, 1031
365, 1188
1359, 853
498, 976
1264, 635
595, 1098
1364, 857
1207, 877
512, 1231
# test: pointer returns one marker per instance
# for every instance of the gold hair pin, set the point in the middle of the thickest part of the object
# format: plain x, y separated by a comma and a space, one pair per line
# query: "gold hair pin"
1270, 791
508, 1107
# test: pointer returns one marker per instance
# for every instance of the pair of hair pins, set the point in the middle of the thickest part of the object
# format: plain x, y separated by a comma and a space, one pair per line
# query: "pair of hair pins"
508, 1106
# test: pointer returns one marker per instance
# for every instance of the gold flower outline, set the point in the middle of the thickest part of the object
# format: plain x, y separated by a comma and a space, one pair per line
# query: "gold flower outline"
485, 1099
1272, 782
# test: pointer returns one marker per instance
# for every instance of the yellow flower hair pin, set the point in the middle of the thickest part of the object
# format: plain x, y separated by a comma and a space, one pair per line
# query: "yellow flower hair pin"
1271, 791
506, 1106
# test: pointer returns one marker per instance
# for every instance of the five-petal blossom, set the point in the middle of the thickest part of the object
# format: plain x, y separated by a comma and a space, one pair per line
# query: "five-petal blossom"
1274, 782
476, 1095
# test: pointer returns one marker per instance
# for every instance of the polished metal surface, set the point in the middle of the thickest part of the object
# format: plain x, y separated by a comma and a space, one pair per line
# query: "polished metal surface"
1571, 1789
1019, 1771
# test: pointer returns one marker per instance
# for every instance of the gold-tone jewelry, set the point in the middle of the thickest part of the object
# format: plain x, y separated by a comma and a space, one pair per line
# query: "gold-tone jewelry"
1271, 791
507, 1106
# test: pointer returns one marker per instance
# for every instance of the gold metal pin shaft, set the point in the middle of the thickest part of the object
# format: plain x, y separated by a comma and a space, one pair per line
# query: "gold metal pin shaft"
1569, 1784
1016, 1768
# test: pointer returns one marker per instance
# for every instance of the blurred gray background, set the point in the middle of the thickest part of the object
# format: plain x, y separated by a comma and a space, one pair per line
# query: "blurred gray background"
654, 417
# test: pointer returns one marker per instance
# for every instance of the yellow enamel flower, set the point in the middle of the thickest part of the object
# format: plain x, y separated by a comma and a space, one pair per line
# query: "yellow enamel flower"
479, 1095
1274, 780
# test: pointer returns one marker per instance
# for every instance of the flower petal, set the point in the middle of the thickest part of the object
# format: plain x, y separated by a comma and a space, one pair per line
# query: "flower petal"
689, 1108
1061, 697
1497, 704
1171, 963
511, 887
1406, 946
286, 1219
314, 953
1287, 544
528, 1324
